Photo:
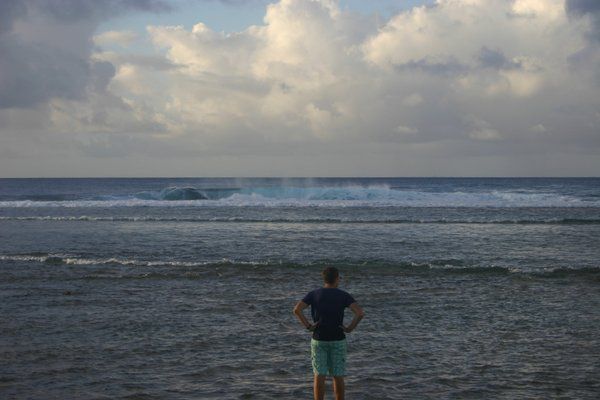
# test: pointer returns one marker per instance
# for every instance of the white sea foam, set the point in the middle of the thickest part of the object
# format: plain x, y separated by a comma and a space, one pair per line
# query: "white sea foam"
346, 196
59, 259
63, 259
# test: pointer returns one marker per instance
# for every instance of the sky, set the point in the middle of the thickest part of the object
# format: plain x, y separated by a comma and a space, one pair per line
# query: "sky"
93, 88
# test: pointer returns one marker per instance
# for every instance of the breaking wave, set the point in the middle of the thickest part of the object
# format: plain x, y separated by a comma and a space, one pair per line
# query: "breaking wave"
174, 194
333, 196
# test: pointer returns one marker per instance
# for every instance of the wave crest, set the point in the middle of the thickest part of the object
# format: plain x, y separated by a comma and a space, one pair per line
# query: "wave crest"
320, 196
173, 194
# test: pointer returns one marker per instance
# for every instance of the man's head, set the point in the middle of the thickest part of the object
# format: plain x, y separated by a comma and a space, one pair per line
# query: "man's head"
331, 276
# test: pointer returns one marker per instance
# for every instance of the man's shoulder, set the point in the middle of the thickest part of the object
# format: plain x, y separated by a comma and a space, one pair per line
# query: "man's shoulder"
341, 291
342, 294
348, 298
310, 295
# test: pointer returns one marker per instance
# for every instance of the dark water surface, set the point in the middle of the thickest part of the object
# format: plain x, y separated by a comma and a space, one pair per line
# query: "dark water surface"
183, 288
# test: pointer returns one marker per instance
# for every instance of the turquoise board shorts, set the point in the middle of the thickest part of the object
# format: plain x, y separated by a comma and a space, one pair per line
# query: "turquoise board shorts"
328, 357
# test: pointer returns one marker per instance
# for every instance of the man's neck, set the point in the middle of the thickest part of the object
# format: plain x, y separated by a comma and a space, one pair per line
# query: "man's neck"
330, 286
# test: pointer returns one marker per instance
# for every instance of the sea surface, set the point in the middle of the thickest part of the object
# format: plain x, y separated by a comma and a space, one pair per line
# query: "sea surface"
474, 288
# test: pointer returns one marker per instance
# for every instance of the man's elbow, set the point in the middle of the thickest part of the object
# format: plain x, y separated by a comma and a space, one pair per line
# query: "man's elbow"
297, 310
360, 313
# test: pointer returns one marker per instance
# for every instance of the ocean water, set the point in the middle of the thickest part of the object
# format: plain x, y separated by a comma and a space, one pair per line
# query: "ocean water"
183, 288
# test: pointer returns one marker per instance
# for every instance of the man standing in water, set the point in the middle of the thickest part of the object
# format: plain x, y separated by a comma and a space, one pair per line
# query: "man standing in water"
328, 343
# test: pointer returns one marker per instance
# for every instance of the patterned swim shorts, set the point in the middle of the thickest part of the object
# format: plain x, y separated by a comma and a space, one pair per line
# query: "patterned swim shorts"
328, 357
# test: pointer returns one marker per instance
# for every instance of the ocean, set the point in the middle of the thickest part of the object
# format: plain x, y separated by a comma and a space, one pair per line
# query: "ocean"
183, 288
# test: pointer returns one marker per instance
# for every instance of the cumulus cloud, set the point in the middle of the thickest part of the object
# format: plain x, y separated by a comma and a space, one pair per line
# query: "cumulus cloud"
434, 88
311, 69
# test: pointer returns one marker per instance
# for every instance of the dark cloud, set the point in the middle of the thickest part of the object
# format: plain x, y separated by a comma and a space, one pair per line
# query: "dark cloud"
75, 10
36, 66
448, 68
102, 73
583, 6
32, 73
10, 10
587, 8
489, 58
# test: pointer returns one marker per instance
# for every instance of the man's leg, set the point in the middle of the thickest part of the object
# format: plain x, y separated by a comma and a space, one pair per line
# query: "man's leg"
338, 367
319, 387
339, 387
318, 352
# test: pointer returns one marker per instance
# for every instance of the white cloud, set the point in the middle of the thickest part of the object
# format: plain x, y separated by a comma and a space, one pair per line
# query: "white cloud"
539, 128
548, 9
406, 130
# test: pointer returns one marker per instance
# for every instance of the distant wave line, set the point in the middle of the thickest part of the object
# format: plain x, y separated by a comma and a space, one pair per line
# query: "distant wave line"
441, 266
85, 218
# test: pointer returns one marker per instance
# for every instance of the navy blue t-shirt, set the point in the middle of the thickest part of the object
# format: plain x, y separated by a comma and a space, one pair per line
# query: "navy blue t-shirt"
327, 308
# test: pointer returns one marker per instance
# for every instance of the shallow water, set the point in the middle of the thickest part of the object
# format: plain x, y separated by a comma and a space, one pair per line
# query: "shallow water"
194, 299
227, 331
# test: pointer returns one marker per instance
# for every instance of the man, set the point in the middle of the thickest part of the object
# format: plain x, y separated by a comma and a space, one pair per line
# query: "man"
328, 343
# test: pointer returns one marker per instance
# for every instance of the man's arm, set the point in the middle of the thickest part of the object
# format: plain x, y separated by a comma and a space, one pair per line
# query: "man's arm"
300, 315
358, 315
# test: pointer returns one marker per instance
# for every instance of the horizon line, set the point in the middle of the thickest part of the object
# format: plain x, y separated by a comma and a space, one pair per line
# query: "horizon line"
315, 177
